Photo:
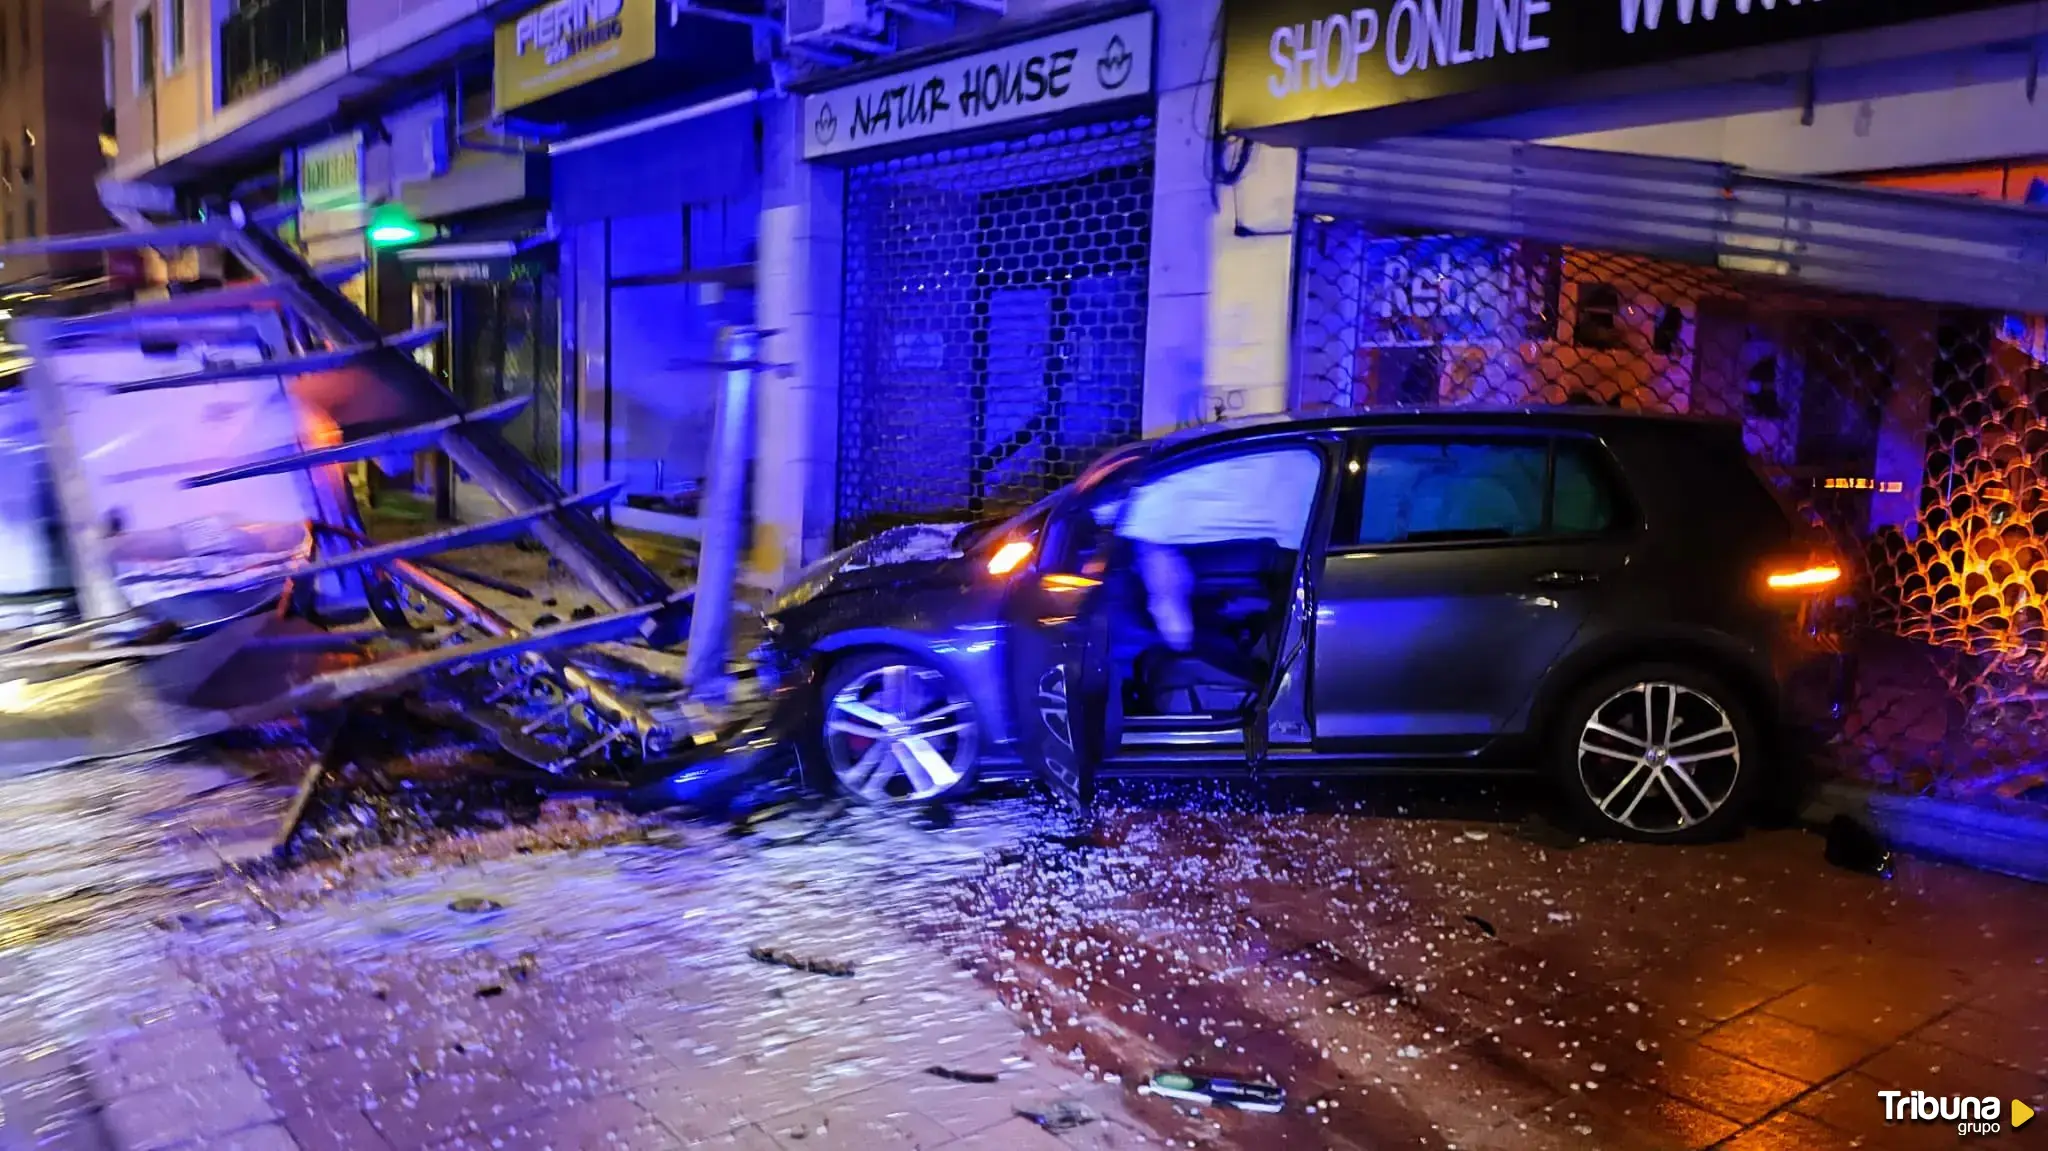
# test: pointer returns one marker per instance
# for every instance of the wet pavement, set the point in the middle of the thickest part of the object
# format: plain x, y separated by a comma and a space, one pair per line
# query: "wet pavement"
596, 980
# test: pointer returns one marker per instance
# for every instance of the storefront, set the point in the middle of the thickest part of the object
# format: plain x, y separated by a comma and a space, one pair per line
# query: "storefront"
996, 263
1879, 349
655, 197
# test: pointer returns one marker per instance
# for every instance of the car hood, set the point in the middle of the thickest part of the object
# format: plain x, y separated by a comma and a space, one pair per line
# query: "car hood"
894, 555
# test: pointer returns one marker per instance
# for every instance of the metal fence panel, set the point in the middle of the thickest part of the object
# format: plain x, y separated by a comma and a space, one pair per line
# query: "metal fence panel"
1916, 433
994, 332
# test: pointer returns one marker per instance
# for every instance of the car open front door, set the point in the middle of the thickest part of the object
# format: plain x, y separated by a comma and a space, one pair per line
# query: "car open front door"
1058, 641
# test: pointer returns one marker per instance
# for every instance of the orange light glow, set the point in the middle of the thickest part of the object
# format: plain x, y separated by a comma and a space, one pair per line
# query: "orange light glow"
1009, 557
1059, 581
1812, 577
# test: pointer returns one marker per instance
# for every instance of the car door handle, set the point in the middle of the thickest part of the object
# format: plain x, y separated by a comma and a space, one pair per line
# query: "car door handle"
1567, 579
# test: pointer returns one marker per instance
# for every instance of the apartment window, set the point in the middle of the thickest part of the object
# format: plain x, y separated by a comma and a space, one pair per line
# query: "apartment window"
174, 35
107, 63
145, 50
3, 48
28, 155
9, 213
29, 209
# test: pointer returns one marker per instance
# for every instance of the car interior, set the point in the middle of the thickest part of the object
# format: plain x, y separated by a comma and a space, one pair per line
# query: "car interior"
1238, 575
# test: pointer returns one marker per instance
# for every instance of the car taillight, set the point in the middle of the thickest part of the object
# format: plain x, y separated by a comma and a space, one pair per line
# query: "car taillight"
1009, 557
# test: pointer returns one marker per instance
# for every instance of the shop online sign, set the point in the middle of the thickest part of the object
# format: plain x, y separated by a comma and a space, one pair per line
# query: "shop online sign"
1057, 73
1291, 60
560, 45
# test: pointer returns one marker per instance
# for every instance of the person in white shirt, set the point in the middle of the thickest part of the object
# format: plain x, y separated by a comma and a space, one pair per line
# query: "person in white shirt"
1260, 495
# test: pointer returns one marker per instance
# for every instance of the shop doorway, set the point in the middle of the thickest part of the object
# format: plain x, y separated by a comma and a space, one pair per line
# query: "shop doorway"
501, 341
994, 335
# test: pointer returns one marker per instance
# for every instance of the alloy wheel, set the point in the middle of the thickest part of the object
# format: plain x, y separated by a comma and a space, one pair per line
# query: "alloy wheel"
1659, 758
899, 733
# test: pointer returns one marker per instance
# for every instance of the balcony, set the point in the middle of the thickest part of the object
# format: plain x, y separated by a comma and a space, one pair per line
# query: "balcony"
265, 41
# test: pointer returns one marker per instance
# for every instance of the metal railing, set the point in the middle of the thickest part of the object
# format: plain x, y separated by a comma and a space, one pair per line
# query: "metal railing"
265, 41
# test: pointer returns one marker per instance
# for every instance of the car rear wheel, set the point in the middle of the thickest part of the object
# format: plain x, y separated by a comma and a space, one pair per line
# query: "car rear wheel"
895, 729
1658, 754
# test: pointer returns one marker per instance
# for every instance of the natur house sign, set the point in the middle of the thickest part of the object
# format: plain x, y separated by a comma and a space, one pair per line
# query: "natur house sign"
1286, 61
1056, 73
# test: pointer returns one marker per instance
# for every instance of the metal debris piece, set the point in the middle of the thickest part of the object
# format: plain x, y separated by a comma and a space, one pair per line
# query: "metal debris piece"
959, 1076
1061, 1115
796, 962
1482, 925
475, 905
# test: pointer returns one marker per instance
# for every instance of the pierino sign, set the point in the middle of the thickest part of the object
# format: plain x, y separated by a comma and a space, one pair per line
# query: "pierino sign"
560, 45
1287, 61
1055, 73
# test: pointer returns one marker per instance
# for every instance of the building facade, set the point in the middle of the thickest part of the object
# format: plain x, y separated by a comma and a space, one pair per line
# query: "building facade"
52, 101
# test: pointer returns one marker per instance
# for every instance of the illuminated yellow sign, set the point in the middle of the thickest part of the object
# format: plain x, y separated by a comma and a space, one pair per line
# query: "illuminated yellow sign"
1862, 484
558, 46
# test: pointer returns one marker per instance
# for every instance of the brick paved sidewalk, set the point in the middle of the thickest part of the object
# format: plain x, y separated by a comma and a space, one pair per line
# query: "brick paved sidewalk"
609, 1000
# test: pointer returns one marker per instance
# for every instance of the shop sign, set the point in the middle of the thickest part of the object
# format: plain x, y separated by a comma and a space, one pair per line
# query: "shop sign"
558, 46
1056, 73
1286, 61
331, 173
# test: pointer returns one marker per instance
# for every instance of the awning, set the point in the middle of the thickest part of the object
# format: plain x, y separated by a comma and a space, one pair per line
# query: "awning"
1825, 233
471, 259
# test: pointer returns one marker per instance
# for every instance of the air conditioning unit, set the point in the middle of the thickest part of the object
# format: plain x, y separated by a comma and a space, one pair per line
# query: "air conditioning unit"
831, 21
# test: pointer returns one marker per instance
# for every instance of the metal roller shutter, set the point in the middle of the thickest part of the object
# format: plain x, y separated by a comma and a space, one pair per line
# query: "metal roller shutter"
994, 334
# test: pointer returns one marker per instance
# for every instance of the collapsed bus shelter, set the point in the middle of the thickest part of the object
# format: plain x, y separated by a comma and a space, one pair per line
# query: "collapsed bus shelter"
185, 555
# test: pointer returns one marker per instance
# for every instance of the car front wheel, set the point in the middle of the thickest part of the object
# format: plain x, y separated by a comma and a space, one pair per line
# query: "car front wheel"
1658, 754
895, 729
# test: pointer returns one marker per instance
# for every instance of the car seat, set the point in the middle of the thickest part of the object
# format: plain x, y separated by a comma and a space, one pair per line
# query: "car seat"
1238, 587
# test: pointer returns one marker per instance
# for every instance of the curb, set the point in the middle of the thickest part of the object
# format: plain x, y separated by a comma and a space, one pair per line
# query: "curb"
1998, 839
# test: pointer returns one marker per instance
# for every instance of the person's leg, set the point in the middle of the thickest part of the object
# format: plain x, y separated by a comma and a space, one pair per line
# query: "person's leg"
1169, 586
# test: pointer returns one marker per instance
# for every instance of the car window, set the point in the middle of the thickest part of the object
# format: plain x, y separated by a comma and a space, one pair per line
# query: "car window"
1254, 495
1584, 500
1432, 491
1081, 525
1446, 491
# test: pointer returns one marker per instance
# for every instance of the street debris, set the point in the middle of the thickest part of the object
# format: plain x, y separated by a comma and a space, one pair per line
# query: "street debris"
475, 905
960, 1076
1061, 1115
1482, 925
794, 962
1216, 1091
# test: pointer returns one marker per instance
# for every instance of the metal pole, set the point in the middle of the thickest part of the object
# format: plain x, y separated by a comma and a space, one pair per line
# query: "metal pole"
723, 516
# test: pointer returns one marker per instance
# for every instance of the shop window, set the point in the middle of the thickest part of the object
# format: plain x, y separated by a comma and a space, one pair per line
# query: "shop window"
1597, 323
28, 155
648, 246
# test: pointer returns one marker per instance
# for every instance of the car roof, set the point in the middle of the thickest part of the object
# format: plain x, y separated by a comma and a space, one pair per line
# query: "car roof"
1562, 417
